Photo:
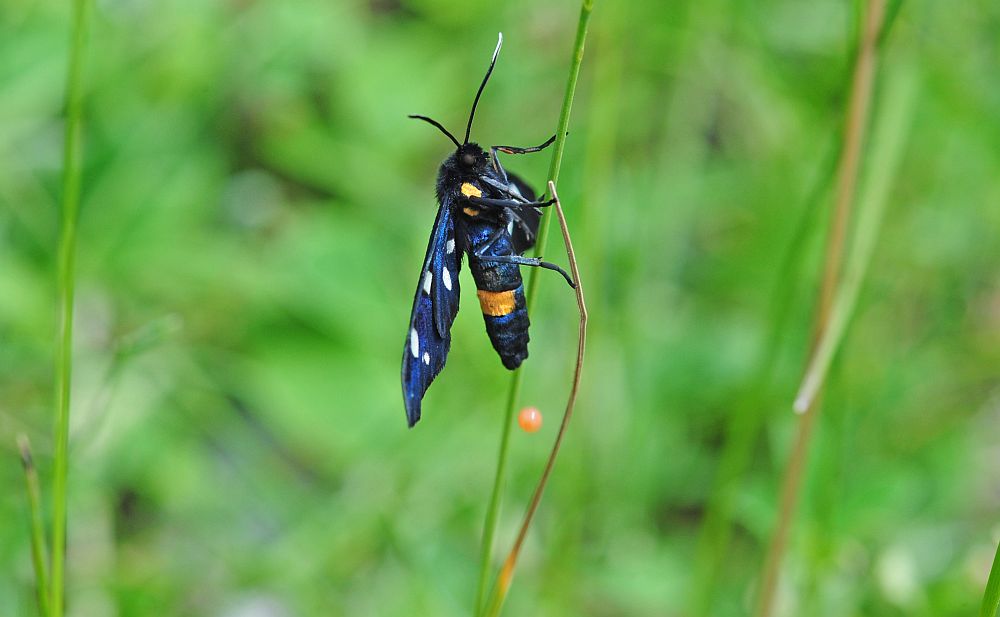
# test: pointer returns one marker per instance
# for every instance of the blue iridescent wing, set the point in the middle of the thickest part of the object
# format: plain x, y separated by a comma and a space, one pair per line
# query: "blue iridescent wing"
434, 308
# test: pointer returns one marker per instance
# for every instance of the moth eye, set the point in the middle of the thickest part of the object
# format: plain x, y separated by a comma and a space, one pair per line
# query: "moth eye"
468, 160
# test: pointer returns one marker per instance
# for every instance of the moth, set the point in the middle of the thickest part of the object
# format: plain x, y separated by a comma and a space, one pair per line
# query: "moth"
491, 216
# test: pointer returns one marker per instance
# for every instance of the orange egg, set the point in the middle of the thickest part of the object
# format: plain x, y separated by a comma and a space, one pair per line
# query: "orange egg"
530, 419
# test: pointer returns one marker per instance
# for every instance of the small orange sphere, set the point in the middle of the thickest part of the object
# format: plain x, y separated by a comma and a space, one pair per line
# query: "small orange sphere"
530, 419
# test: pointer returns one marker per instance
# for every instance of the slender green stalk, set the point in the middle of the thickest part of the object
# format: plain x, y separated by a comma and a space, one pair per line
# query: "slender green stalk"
38, 550
586, 7
71, 180
493, 509
991, 597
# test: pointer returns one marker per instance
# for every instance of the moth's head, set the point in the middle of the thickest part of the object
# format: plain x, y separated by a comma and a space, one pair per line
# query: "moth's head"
471, 157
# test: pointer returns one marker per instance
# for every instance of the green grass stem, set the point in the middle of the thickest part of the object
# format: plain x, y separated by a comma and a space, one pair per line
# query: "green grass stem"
493, 509
71, 180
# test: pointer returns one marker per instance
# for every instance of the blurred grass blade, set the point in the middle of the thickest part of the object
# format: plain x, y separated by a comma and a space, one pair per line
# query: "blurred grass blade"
891, 130
891, 13
744, 427
71, 179
39, 553
857, 110
991, 598
493, 509
149, 335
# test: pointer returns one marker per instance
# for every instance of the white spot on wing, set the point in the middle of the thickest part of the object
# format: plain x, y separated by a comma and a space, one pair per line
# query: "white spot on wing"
427, 358
414, 343
446, 277
428, 277
510, 228
450, 246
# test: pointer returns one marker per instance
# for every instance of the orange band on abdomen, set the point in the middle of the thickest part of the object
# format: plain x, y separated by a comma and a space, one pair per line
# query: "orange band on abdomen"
496, 303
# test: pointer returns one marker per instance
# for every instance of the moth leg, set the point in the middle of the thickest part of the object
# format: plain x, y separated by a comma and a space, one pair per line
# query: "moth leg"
526, 261
508, 216
496, 235
516, 150
524, 225
507, 203
505, 187
498, 167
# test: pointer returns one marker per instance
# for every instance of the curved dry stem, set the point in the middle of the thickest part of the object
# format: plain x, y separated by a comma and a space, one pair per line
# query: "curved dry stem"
507, 572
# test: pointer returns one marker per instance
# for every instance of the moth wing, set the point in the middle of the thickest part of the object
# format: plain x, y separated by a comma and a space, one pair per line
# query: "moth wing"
435, 305
525, 230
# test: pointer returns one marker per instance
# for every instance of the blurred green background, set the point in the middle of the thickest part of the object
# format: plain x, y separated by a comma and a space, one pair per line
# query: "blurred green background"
255, 209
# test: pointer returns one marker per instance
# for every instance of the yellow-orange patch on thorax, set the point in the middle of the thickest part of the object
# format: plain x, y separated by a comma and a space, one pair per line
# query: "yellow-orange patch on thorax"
496, 303
470, 190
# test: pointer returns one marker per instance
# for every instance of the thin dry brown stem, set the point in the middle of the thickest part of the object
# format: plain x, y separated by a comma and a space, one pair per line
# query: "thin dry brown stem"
507, 572
854, 137
847, 179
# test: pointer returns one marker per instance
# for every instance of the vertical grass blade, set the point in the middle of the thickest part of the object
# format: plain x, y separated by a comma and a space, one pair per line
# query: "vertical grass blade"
855, 129
747, 420
39, 553
586, 8
71, 180
991, 598
891, 129
493, 508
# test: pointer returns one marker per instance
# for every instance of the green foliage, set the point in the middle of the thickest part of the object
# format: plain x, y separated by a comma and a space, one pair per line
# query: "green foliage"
254, 208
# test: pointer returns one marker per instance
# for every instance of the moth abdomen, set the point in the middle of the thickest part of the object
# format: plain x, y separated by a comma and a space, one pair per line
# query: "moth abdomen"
501, 294
506, 317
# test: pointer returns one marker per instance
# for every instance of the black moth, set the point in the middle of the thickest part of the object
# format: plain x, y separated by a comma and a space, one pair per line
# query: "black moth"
491, 215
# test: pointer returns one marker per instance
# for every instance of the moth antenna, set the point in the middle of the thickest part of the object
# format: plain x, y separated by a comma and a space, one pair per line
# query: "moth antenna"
437, 124
472, 114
